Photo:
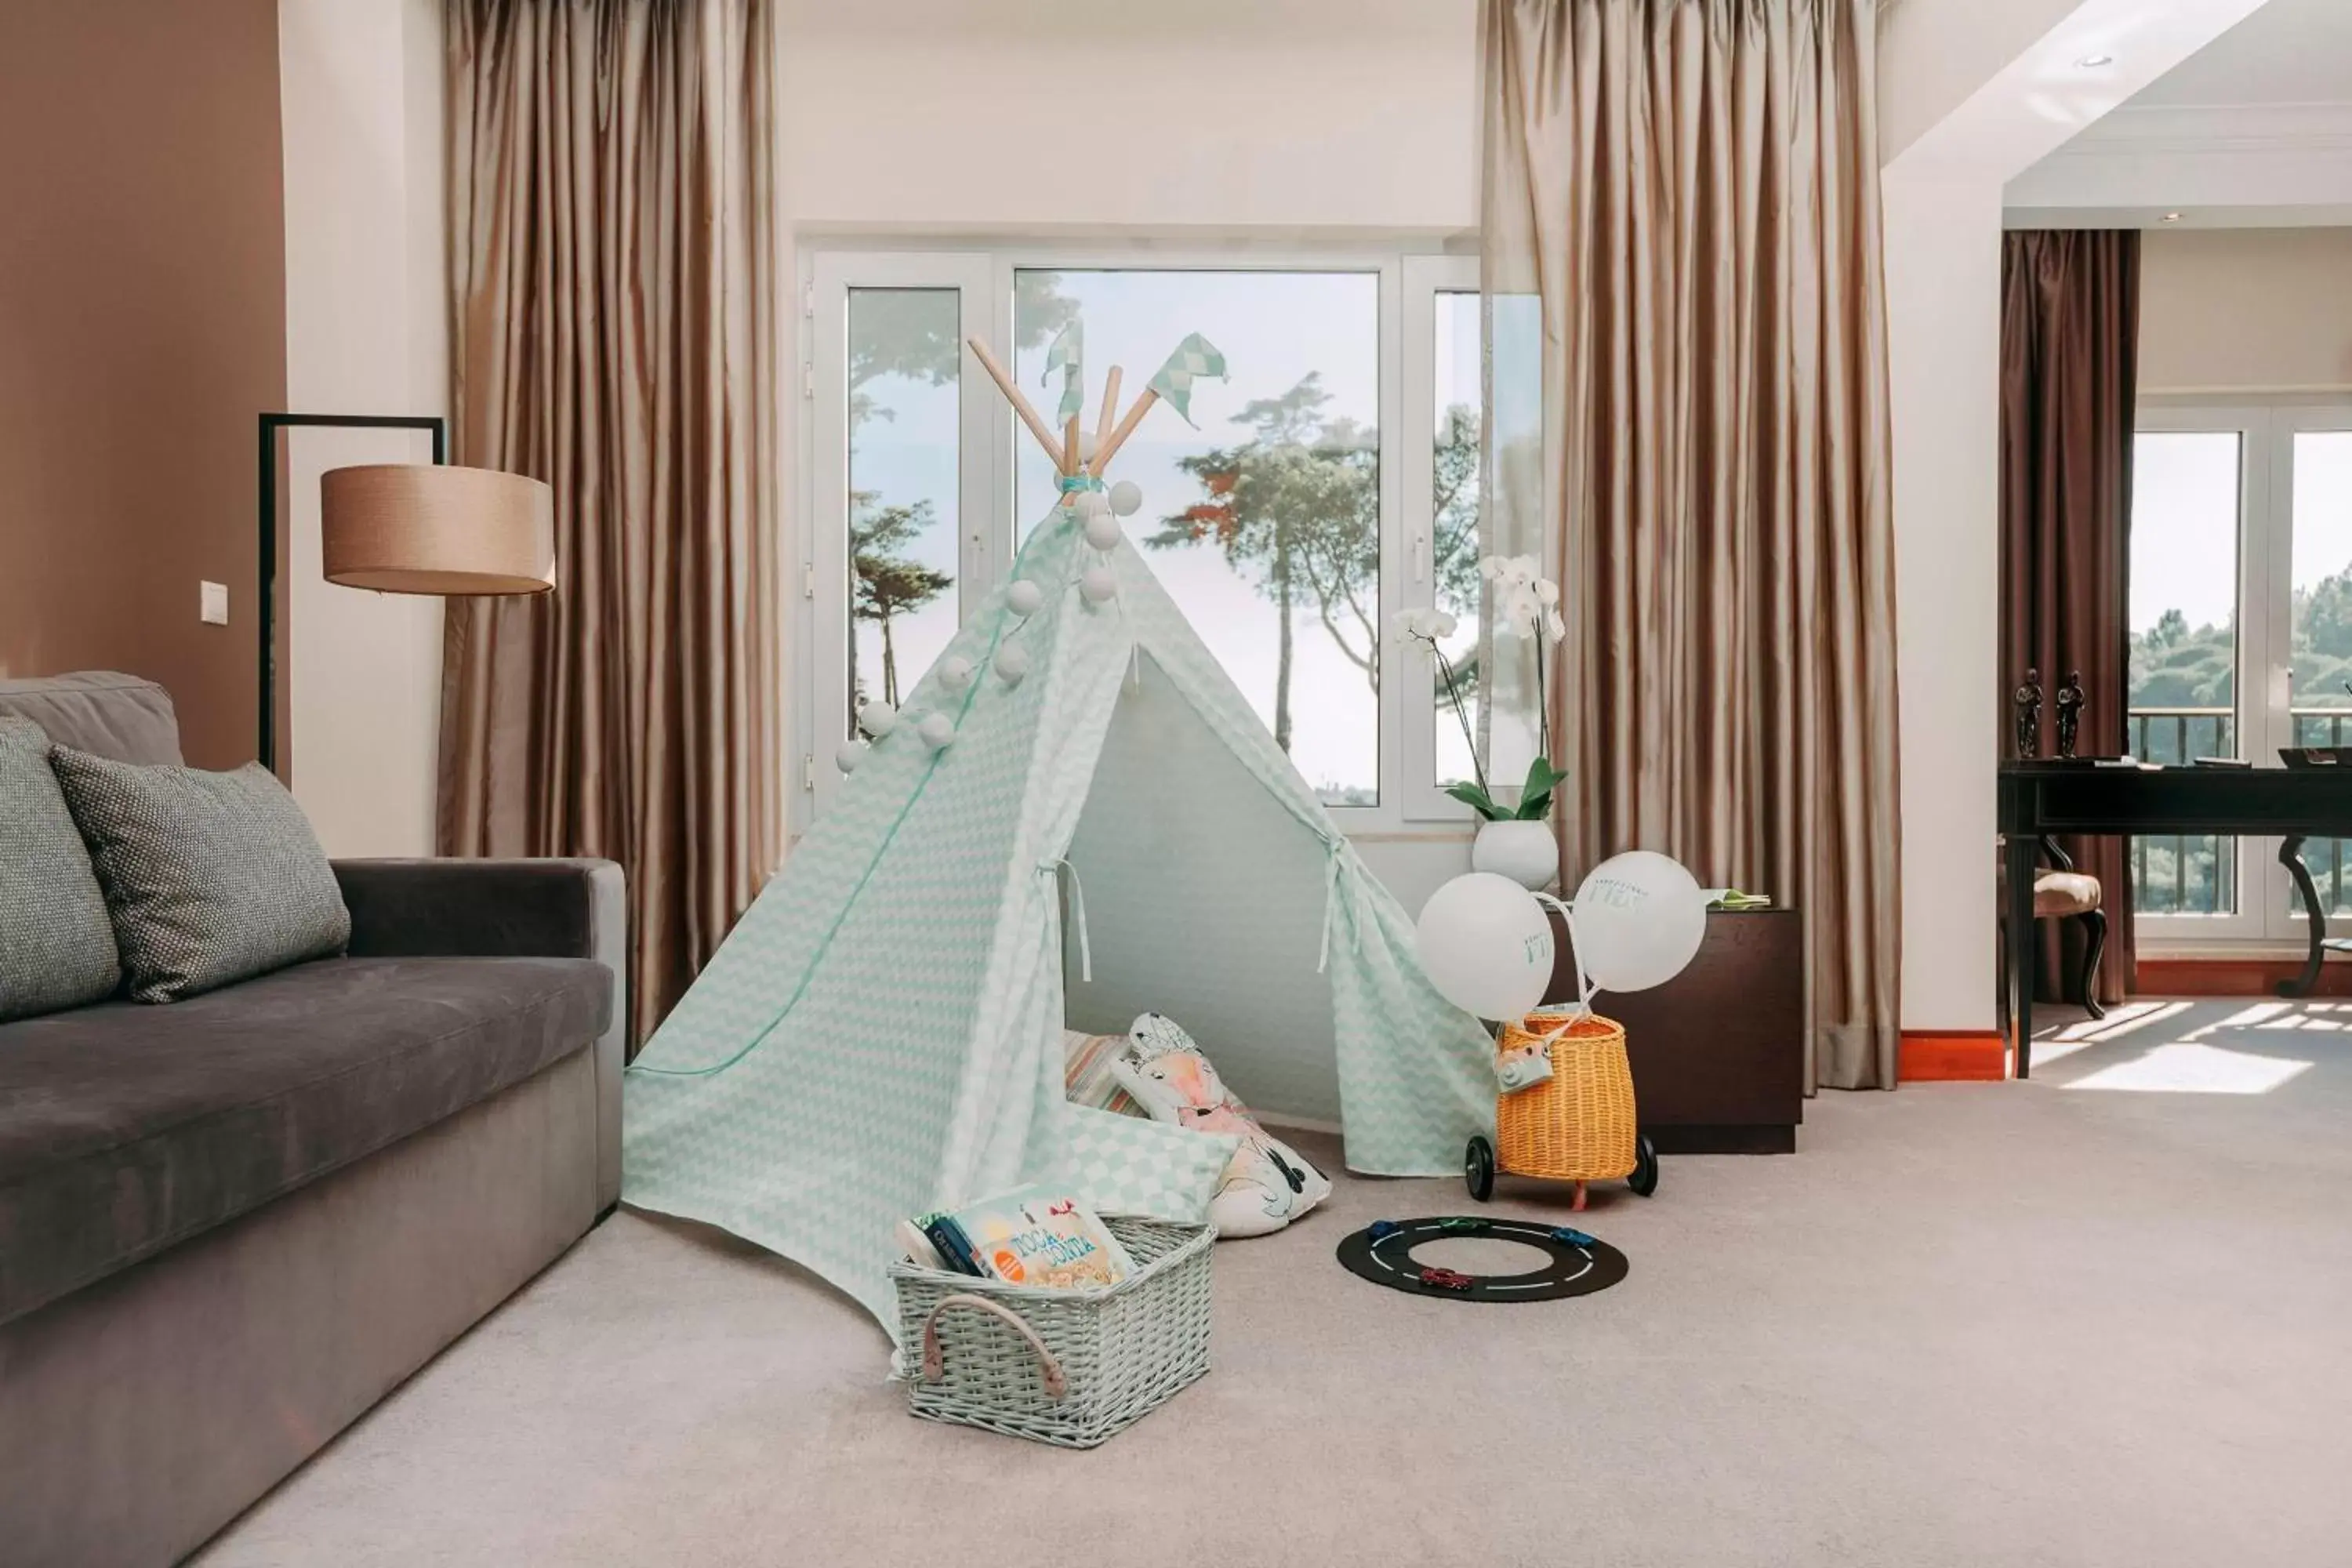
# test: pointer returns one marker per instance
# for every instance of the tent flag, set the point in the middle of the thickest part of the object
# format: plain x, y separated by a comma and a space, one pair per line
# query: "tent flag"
1195, 356
1064, 353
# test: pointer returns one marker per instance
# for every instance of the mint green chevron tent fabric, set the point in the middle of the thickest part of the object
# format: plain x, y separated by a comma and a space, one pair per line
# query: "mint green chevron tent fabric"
881, 1033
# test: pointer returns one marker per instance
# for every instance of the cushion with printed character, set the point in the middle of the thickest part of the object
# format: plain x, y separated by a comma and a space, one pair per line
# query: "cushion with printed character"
1266, 1185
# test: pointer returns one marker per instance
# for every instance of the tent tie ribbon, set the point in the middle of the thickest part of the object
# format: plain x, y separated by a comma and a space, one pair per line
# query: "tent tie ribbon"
1334, 868
1078, 909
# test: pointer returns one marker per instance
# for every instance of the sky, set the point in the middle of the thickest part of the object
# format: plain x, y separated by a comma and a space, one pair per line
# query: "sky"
1273, 328
2185, 505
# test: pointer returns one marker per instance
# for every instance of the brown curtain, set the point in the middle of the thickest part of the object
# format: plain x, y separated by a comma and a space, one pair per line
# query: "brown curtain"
2069, 376
613, 262
1690, 187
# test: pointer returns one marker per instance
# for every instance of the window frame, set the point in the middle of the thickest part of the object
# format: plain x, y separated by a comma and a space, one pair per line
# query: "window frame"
2269, 914
1409, 280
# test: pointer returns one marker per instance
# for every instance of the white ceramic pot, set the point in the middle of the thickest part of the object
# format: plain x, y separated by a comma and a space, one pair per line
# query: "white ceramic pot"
1525, 852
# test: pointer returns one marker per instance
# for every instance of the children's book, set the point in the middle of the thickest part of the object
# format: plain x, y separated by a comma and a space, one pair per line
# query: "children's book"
1040, 1235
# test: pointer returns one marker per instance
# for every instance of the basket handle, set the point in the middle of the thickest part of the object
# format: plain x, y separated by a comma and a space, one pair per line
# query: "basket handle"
935, 1362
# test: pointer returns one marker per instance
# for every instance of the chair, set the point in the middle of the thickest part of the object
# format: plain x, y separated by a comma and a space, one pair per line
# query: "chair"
2063, 893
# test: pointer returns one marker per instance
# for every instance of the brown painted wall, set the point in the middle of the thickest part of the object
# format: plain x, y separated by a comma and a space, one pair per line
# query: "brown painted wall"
143, 326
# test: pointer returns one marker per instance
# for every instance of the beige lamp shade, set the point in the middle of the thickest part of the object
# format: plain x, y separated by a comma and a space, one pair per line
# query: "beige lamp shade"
411, 528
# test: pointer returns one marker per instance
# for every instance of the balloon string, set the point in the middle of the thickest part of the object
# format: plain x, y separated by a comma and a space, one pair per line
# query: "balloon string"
1585, 989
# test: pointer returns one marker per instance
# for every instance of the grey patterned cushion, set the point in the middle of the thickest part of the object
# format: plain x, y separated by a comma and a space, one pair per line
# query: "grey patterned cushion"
210, 878
57, 948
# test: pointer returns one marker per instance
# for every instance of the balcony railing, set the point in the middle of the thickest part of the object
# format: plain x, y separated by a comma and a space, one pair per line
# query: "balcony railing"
2189, 874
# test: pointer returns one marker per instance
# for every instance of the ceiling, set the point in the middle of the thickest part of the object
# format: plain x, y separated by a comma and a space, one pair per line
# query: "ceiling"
2290, 51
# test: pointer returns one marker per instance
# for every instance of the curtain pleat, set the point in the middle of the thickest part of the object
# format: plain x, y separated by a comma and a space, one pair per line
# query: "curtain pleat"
613, 261
1689, 187
2069, 398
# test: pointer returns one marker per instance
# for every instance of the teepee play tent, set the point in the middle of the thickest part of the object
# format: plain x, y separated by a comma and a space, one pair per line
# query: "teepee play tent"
1076, 814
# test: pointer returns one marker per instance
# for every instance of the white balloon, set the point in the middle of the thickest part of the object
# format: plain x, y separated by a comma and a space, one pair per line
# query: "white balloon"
1090, 503
877, 719
1011, 663
937, 729
955, 672
1025, 598
1102, 531
1126, 498
1640, 918
1485, 945
1098, 584
848, 754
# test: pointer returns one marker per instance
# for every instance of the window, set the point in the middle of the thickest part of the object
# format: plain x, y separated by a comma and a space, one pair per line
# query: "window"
1332, 480
2241, 623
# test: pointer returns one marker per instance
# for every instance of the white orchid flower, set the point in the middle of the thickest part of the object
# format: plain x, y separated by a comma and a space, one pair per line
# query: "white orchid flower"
1423, 623
1555, 628
1444, 622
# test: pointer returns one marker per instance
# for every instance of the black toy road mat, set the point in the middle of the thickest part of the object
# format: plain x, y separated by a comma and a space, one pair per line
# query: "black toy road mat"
1575, 1264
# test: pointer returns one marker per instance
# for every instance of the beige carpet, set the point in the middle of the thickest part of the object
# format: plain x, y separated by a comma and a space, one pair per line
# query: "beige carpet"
2105, 1317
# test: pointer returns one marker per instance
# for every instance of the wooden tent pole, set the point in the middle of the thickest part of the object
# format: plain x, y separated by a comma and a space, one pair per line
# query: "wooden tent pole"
1029, 416
1070, 464
1103, 450
1103, 422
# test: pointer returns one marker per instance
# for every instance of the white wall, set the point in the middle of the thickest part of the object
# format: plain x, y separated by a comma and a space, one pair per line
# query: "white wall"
1035, 117
2246, 310
366, 333
1972, 93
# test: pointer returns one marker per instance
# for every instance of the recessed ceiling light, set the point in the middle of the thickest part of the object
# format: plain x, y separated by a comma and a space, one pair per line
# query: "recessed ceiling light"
2093, 62
2172, 218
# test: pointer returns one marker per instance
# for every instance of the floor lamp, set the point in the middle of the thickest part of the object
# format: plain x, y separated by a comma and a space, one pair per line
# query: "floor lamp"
405, 528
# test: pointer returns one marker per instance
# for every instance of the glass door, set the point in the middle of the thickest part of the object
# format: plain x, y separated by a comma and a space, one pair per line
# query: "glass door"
2195, 564
2312, 484
897, 547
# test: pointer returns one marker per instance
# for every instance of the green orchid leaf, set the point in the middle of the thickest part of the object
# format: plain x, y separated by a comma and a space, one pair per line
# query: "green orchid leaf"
1535, 805
1471, 796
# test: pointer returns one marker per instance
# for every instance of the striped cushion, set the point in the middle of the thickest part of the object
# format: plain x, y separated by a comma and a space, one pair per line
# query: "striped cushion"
1086, 1071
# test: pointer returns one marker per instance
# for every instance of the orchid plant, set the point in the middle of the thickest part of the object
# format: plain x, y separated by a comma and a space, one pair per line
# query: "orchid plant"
1526, 605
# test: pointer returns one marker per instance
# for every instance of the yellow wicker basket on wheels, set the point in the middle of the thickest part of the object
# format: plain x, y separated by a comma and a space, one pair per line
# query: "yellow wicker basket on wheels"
1576, 1126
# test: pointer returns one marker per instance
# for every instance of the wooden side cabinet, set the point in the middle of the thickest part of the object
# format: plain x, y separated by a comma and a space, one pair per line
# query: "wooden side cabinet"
1718, 1052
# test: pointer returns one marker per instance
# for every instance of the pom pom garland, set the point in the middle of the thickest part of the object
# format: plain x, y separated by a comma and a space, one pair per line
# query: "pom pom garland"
955, 672
1025, 598
1011, 663
1126, 498
1102, 531
848, 755
1098, 584
877, 719
937, 729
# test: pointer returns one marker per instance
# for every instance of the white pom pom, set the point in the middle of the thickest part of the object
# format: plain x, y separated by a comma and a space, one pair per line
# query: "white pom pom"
937, 729
1126, 498
1011, 663
848, 754
1086, 447
955, 672
1025, 598
1090, 503
1098, 584
877, 719
1102, 531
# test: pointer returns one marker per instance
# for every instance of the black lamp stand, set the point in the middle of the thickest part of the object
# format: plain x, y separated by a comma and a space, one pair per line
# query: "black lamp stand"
271, 425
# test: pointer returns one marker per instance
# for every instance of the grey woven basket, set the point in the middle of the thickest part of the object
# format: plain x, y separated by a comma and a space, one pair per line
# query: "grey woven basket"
1070, 1367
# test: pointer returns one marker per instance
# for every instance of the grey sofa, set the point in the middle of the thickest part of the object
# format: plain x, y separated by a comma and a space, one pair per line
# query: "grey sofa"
230, 1225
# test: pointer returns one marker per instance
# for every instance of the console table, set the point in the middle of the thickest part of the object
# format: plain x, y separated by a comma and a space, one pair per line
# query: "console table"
1717, 1052
2051, 797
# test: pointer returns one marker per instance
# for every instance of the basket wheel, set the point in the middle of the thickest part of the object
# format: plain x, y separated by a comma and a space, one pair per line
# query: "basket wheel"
1479, 1168
1645, 1179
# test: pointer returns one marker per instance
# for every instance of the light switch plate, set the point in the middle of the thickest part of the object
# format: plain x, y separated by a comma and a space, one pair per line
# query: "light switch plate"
212, 603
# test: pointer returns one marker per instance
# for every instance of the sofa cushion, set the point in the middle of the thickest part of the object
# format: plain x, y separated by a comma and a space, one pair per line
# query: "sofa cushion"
209, 877
56, 947
99, 712
125, 1128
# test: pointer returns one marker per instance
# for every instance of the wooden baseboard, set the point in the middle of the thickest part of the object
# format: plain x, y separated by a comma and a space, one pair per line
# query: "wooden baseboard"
2232, 977
1953, 1056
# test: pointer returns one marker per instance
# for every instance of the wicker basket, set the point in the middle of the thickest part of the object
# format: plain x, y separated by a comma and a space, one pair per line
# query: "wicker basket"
1070, 1367
1577, 1125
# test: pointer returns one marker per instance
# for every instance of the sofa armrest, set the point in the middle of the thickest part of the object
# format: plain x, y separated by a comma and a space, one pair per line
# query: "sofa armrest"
507, 908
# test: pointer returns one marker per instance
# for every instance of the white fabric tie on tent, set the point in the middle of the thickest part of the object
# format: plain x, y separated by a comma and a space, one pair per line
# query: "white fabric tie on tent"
1077, 910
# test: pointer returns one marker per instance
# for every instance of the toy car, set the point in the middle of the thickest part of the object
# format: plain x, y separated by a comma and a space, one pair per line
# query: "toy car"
1444, 1279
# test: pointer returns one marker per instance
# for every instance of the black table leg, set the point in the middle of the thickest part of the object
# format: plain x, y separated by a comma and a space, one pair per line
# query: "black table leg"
2291, 856
2021, 948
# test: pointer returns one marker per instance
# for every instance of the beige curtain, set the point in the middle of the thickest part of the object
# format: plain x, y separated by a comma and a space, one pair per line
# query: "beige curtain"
1689, 189
613, 263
